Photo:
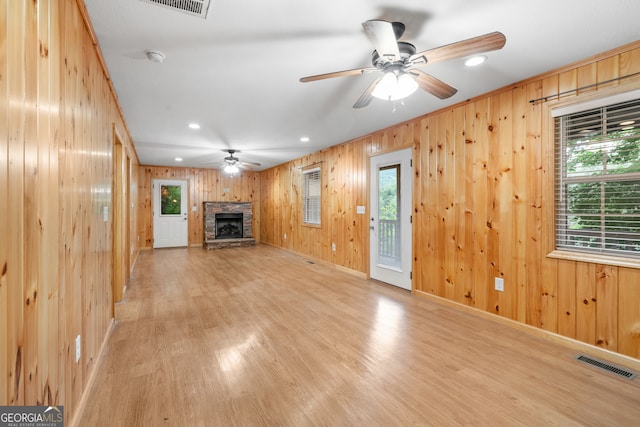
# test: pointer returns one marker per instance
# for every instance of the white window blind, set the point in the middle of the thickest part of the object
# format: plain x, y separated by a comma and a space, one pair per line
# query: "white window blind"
311, 198
598, 180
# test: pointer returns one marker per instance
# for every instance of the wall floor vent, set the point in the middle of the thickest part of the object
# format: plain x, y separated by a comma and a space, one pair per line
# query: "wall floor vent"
625, 373
198, 8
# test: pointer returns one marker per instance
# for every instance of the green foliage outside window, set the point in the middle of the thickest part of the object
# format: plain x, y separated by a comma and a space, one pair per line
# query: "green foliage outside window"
603, 191
388, 194
170, 200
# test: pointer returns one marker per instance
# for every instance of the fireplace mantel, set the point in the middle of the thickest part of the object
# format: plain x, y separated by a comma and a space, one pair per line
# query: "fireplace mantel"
210, 210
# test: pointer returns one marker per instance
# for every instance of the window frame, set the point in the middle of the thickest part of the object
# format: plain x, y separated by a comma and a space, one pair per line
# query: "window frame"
313, 218
559, 164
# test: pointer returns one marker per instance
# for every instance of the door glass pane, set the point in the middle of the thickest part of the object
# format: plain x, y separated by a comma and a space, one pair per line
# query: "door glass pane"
170, 200
389, 214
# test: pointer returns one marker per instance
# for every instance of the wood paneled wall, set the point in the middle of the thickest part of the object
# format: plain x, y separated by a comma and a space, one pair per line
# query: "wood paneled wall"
485, 186
205, 185
482, 196
57, 115
344, 182
483, 208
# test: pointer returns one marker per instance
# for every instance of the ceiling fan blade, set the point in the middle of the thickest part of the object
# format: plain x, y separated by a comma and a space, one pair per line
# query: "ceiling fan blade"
366, 97
480, 44
353, 72
432, 85
249, 163
383, 37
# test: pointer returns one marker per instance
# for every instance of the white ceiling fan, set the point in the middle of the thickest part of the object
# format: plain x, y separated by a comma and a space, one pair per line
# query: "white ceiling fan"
398, 62
232, 164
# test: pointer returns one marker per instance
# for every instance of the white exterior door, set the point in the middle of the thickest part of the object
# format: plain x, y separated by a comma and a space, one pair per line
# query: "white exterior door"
390, 221
170, 215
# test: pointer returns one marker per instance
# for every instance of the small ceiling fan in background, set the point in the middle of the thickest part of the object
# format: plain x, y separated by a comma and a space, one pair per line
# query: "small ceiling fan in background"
232, 164
397, 60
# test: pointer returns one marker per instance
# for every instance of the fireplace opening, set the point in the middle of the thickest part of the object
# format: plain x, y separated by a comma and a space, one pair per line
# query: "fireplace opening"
228, 225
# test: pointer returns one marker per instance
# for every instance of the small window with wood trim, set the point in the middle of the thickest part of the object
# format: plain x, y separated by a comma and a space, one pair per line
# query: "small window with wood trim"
597, 186
311, 196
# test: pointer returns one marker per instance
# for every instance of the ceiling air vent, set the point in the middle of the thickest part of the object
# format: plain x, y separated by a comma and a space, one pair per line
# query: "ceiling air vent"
191, 7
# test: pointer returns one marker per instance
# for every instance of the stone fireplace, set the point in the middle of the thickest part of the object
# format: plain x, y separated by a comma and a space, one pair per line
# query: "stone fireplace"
228, 224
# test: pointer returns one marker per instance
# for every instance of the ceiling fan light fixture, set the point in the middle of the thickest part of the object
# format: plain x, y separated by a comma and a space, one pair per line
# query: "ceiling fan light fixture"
231, 169
395, 86
475, 60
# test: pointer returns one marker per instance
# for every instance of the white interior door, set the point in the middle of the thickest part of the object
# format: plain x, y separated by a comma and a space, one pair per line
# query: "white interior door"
170, 216
390, 221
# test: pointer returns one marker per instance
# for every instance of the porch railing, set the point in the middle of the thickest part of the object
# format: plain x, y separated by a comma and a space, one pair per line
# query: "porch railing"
389, 238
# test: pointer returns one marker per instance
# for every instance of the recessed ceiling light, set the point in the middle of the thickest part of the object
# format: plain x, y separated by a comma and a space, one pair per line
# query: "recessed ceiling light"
627, 123
178, 159
304, 139
194, 126
475, 60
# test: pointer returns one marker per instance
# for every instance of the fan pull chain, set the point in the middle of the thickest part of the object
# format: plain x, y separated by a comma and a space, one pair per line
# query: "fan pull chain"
395, 105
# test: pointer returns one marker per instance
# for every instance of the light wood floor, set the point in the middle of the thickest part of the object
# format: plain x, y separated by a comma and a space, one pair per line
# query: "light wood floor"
260, 336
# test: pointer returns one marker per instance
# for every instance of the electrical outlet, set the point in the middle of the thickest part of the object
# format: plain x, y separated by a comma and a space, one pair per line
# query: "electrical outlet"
333, 247
499, 284
285, 236
77, 348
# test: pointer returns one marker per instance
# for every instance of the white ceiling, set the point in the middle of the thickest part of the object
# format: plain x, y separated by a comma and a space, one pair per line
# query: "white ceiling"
237, 72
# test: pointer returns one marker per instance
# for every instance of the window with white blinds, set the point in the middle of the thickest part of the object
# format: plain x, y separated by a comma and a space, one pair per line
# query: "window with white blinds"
597, 188
311, 197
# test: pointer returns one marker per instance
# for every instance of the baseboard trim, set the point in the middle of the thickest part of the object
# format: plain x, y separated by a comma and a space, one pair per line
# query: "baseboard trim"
92, 377
621, 359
